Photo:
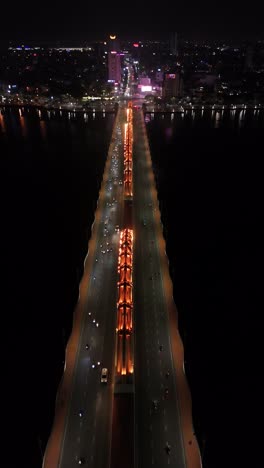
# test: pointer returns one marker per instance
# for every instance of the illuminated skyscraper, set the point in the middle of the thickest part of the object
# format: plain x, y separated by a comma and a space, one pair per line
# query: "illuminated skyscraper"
114, 63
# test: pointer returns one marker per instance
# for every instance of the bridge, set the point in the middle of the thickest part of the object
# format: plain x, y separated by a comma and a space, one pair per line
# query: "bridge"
125, 321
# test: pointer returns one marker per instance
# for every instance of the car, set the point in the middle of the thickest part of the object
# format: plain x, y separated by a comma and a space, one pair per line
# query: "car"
104, 375
81, 413
81, 461
154, 405
167, 448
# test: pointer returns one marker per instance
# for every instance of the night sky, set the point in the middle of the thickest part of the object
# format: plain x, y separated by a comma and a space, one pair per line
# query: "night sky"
87, 20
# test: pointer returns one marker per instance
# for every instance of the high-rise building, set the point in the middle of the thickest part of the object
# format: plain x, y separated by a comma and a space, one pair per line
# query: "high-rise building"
114, 62
172, 85
174, 44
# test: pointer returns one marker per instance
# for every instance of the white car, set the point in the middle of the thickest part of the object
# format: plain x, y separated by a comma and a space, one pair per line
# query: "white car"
104, 375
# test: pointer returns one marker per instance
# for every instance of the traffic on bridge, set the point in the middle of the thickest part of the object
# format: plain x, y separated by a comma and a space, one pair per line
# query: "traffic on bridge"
123, 400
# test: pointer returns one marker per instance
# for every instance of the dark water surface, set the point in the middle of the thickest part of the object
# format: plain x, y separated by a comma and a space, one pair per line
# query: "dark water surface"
209, 173
51, 171
209, 177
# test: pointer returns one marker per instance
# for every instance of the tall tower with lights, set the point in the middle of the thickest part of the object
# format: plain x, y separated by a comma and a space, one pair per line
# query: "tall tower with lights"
114, 62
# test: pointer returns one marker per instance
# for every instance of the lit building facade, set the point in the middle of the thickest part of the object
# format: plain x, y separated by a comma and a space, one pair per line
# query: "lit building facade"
114, 62
172, 85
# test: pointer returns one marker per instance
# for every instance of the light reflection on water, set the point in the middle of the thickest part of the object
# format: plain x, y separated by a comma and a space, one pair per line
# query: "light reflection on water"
210, 118
2, 123
18, 120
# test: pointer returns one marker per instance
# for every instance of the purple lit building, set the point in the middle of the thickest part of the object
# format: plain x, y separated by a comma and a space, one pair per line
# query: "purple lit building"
114, 62
172, 85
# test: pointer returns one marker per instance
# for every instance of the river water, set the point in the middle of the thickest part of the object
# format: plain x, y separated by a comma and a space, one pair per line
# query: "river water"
208, 170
